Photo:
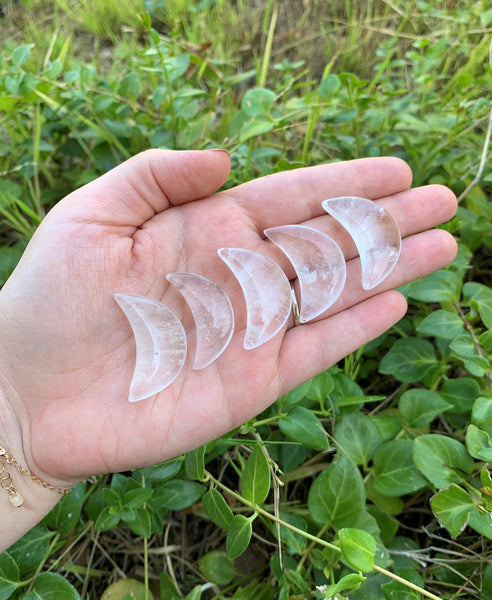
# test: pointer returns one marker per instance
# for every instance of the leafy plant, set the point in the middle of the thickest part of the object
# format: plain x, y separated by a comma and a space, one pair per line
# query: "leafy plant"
373, 479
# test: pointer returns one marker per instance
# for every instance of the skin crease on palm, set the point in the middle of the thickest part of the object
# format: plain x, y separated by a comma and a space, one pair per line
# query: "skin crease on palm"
67, 352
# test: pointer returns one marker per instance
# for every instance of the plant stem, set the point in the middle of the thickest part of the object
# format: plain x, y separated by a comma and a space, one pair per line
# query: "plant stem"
314, 538
483, 159
146, 567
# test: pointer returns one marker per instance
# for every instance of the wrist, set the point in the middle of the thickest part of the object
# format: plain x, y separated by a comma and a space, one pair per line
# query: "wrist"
10, 467
26, 494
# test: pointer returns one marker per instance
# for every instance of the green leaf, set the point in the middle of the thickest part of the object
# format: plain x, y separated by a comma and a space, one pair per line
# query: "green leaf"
408, 360
357, 436
394, 590
388, 425
297, 394
216, 566
460, 393
295, 542
9, 257
297, 581
486, 478
478, 443
255, 482
441, 459
464, 347
195, 594
31, 549
487, 573
167, 588
452, 507
481, 521
20, 55
482, 414
195, 464
352, 581
137, 497
239, 534
107, 519
257, 102
254, 128
337, 495
395, 470
162, 471
141, 523
441, 324
7, 102
420, 406
358, 548
65, 515
330, 84
129, 86
178, 493
321, 386
301, 425
482, 295
441, 286
217, 508
9, 576
53, 587
125, 589
111, 497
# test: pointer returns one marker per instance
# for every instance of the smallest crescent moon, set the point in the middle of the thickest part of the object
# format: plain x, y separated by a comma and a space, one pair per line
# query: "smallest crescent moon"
160, 341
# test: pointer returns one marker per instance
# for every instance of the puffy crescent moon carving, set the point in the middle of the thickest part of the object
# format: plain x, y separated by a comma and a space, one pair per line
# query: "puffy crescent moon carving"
160, 341
318, 262
266, 291
212, 312
374, 232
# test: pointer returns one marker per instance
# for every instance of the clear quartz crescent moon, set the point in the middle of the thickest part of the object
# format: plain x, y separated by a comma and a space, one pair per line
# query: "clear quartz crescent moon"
266, 291
160, 341
374, 232
212, 312
318, 262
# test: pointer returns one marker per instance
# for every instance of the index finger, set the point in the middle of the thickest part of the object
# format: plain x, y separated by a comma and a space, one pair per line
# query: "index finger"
296, 196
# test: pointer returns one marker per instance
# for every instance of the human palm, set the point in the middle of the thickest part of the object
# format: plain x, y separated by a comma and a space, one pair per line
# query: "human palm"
67, 352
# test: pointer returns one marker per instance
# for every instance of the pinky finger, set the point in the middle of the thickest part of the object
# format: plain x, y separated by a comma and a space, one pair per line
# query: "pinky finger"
309, 349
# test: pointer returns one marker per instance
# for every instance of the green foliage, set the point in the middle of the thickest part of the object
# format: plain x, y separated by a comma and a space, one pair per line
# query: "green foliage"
375, 465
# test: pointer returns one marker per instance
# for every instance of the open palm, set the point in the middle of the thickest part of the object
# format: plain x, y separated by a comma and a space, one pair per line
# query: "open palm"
67, 352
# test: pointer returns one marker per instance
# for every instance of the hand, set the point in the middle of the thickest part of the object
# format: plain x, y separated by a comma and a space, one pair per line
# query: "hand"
67, 352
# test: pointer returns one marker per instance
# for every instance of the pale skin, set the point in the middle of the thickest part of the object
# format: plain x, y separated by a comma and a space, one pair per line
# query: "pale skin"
67, 352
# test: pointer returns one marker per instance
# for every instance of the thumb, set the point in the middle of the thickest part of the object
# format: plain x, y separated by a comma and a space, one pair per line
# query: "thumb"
149, 183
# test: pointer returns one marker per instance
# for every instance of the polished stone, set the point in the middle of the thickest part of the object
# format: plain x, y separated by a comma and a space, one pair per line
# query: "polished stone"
374, 232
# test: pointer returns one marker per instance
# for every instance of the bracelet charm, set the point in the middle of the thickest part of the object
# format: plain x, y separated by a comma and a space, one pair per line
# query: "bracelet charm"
15, 497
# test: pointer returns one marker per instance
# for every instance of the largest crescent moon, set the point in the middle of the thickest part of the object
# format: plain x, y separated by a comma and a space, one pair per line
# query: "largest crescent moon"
266, 290
374, 232
160, 341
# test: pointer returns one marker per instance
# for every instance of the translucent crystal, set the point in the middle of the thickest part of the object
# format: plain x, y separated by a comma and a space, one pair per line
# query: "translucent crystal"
319, 264
266, 290
374, 232
212, 312
160, 342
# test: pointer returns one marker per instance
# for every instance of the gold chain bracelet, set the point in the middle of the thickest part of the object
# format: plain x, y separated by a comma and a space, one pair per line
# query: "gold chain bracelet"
7, 484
